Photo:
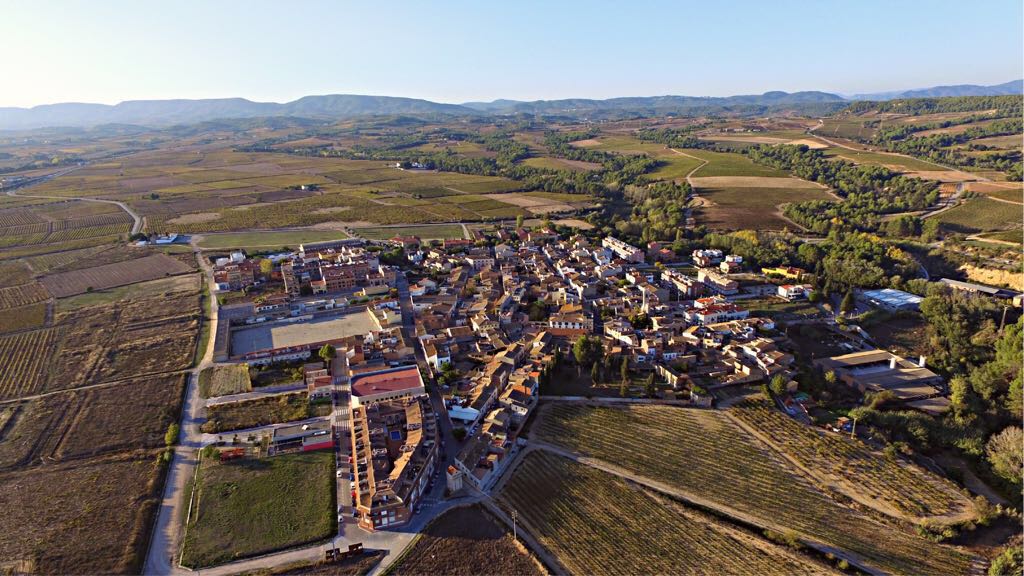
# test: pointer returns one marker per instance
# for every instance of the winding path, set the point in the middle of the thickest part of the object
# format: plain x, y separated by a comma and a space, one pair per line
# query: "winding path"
136, 219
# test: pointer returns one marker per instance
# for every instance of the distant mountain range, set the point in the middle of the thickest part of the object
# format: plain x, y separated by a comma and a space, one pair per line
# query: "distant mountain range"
341, 106
1006, 89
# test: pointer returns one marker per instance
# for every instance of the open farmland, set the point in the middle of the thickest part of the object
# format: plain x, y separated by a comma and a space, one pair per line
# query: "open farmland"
596, 523
22, 295
26, 429
465, 542
25, 366
885, 483
704, 456
14, 274
268, 240
981, 215
99, 511
110, 275
754, 208
731, 164
128, 416
249, 507
435, 232
893, 162
551, 163
23, 317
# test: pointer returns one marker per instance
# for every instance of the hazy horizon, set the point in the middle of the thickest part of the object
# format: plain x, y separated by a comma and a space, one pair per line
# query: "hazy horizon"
460, 51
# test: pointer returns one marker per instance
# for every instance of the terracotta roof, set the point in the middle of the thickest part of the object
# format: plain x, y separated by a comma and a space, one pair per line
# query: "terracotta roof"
393, 380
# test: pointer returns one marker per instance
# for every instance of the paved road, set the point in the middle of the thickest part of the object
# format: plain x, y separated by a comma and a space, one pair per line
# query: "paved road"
166, 536
137, 220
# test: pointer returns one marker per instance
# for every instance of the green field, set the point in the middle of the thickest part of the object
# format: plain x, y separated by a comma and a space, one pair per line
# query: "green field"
751, 208
1007, 194
893, 162
981, 215
439, 232
676, 166
1014, 236
730, 164
550, 163
247, 507
267, 240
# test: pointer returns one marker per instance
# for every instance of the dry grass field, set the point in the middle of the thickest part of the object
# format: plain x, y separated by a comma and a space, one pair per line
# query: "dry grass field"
465, 542
596, 523
23, 317
82, 517
705, 454
223, 380
260, 412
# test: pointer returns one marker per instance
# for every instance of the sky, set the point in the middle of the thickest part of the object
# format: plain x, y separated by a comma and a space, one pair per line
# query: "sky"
108, 51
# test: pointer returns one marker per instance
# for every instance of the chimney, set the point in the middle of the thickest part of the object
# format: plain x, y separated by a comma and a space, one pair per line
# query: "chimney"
920, 361
892, 363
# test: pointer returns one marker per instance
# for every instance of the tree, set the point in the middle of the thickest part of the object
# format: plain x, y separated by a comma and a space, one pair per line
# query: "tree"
650, 388
623, 388
519, 221
587, 350
171, 437
595, 373
328, 353
266, 266
624, 369
1004, 451
847, 305
778, 385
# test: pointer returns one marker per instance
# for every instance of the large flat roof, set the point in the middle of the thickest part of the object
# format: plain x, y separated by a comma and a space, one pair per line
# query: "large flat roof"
287, 335
386, 381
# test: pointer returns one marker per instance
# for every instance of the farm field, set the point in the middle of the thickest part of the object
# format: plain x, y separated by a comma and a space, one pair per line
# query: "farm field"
250, 507
268, 239
25, 366
23, 317
139, 290
132, 415
14, 274
730, 164
27, 429
22, 295
99, 510
1014, 236
464, 542
981, 215
891, 161
260, 412
223, 380
111, 275
596, 523
551, 163
435, 232
891, 486
704, 454
754, 208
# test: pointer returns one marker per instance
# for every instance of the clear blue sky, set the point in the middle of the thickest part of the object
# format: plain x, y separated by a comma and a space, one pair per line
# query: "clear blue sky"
108, 51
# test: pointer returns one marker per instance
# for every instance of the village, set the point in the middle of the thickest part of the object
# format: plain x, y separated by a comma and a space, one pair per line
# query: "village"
422, 362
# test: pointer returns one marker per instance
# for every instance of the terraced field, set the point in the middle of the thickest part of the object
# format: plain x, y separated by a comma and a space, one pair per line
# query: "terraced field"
891, 486
704, 453
596, 523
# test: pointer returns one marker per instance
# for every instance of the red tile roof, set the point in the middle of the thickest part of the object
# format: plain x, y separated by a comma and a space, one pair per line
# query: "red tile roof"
392, 380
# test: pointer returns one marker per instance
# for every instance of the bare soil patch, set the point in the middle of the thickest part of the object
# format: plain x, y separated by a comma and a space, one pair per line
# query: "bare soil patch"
258, 168
752, 139
942, 175
812, 144
331, 209
588, 143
